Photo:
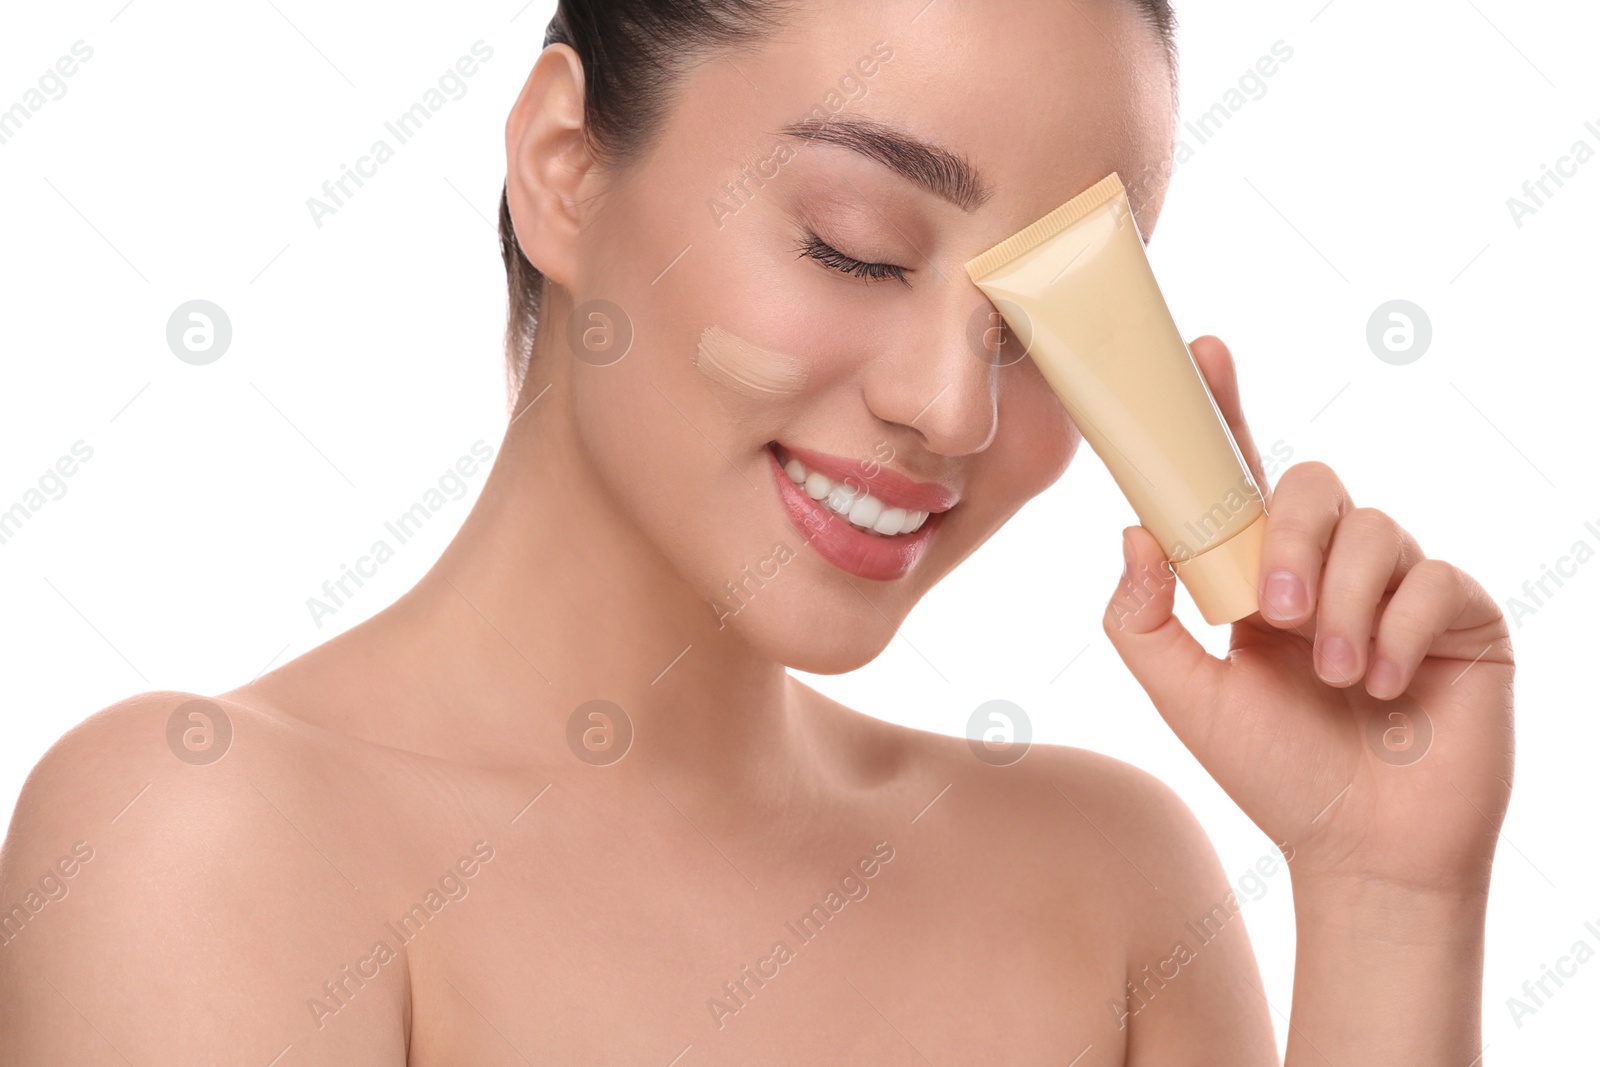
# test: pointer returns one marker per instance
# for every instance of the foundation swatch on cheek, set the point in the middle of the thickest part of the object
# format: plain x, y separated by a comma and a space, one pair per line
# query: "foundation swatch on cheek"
731, 361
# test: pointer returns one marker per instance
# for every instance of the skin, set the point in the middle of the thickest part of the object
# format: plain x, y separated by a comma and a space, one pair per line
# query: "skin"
619, 899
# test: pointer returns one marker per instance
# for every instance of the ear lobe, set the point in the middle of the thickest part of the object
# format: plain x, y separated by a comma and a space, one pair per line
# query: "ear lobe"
547, 162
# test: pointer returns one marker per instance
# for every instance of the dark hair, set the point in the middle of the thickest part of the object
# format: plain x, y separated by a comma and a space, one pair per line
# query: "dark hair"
633, 53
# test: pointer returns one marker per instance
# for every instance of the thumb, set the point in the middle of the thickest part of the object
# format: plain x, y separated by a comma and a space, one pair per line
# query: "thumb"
1178, 674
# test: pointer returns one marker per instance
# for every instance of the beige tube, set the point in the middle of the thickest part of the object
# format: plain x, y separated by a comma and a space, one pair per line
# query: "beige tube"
1077, 290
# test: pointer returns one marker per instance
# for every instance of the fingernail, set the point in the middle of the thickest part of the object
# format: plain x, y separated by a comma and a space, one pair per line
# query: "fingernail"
1383, 680
1285, 595
1339, 659
1127, 557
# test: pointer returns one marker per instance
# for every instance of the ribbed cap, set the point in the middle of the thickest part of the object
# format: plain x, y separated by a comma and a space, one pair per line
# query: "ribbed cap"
1222, 580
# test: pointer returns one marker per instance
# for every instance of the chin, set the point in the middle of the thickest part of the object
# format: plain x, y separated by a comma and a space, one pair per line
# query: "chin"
817, 642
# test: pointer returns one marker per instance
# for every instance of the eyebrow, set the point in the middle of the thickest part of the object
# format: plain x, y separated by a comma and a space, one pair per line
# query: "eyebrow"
938, 170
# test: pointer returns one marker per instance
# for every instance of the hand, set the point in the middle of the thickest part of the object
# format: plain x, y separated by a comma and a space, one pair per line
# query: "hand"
1282, 723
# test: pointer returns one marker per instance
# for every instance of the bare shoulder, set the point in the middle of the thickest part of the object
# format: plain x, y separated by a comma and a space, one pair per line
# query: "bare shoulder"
1191, 973
1105, 859
1130, 853
158, 898
1082, 795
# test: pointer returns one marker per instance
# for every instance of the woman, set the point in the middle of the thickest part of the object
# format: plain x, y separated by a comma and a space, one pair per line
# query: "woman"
562, 803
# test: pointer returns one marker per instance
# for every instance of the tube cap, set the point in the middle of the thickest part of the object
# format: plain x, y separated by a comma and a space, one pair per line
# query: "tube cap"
1222, 580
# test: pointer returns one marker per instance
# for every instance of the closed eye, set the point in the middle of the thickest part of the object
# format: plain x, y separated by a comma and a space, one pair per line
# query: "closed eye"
816, 248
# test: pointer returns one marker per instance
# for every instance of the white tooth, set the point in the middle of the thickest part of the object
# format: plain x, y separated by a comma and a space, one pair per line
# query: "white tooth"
796, 471
840, 498
914, 521
889, 522
865, 511
817, 485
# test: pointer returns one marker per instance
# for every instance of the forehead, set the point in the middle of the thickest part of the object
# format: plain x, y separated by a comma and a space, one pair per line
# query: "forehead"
1040, 97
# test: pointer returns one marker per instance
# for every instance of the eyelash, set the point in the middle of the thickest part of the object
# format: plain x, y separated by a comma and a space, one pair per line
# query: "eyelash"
816, 248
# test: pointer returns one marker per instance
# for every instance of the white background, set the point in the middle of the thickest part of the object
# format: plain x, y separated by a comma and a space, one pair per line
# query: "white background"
366, 359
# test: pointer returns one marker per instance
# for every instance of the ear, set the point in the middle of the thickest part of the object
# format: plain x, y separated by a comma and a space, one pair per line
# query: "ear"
547, 162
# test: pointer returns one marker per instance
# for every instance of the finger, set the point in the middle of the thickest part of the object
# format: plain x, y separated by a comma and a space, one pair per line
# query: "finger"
1434, 598
1162, 655
1307, 504
1221, 375
1369, 556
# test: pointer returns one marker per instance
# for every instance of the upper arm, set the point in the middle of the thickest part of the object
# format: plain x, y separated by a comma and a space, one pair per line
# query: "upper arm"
1194, 991
157, 910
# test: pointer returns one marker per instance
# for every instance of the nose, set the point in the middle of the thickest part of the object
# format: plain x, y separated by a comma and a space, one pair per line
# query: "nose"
938, 380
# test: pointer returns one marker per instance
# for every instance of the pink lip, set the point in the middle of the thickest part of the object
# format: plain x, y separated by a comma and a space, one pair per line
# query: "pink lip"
893, 489
879, 559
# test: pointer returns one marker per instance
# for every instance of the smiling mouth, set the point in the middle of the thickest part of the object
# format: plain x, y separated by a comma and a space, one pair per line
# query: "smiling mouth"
853, 504
848, 498
878, 535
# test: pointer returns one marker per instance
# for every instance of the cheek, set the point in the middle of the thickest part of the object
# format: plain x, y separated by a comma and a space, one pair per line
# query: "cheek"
679, 459
637, 418
638, 448
664, 489
1036, 439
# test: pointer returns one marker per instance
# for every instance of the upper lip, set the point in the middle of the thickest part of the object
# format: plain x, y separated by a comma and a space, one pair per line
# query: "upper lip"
889, 486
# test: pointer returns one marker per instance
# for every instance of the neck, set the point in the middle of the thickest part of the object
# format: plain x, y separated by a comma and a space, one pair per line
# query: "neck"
549, 597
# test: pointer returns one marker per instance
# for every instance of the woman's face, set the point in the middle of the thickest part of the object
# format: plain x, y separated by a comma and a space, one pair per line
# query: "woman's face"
1038, 99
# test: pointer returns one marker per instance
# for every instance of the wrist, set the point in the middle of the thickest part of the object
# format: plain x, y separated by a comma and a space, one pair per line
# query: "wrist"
1364, 946
1382, 912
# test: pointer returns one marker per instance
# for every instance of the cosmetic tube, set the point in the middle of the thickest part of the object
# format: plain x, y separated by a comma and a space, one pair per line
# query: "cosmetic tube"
1077, 290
